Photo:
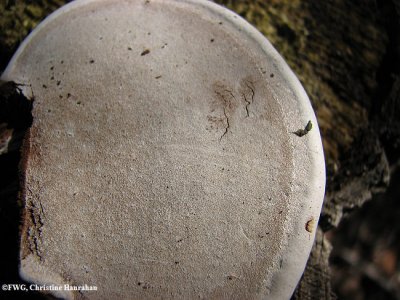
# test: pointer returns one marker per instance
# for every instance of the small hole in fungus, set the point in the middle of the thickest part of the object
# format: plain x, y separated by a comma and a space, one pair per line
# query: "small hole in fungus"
272, 75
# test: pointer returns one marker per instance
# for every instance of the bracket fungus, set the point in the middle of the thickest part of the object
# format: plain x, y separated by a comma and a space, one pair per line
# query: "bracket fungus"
161, 161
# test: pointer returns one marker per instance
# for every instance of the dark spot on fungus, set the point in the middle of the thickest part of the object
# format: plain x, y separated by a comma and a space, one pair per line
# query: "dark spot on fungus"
62, 62
52, 68
145, 52
310, 225
302, 132
52, 78
149, 33
130, 48
177, 262
220, 23
272, 75
212, 40
44, 86
79, 102
69, 95
58, 82
308, 126
91, 61
158, 77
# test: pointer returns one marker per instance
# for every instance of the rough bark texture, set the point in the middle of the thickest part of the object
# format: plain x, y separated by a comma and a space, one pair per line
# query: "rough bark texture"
347, 55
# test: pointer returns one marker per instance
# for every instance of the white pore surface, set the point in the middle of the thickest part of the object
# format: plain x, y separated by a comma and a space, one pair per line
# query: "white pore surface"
162, 161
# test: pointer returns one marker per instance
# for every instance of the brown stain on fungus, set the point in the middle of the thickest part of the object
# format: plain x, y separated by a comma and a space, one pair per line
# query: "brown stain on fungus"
247, 91
145, 52
226, 101
310, 225
223, 106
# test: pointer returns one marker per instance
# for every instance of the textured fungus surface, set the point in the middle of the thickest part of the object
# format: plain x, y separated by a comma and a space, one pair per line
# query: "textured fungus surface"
162, 157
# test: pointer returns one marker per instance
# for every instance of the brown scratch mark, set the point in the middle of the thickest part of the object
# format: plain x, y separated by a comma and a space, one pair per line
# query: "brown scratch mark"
227, 125
224, 105
226, 100
247, 91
